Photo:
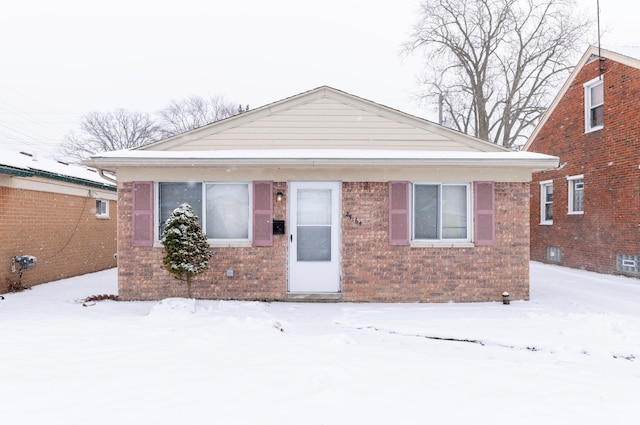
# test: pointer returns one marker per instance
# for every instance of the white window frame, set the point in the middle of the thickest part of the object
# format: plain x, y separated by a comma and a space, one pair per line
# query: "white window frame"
442, 240
588, 106
99, 213
202, 214
249, 213
571, 183
543, 202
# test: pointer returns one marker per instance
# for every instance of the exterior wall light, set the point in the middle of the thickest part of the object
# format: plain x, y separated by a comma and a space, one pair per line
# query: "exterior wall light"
279, 196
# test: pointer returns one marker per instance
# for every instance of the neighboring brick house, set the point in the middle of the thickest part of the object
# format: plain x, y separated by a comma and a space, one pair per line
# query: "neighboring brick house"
327, 196
586, 213
64, 215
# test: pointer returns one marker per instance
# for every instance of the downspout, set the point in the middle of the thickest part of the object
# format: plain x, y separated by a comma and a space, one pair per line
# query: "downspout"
101, 174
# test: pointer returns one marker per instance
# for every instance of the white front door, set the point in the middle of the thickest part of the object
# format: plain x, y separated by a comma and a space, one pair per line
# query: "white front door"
314, 237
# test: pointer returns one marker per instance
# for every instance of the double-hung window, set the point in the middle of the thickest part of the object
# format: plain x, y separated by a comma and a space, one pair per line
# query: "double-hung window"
546, 202
224, 209
102, 208
576, 194
441, 212
594, 105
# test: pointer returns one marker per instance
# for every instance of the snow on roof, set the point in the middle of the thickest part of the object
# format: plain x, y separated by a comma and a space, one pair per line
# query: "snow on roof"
327, 157
31, 162
317, 154
630, 51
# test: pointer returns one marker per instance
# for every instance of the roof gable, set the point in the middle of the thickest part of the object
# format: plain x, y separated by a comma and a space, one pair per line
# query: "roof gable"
323, 118
591, 54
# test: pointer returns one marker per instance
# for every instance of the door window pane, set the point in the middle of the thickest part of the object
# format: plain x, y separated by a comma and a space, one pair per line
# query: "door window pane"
314, 206
314, 224
227, 211
314, 243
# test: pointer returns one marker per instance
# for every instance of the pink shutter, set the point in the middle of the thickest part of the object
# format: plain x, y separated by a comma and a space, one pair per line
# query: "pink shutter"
262, 213
142, 213
484, 213
398, 213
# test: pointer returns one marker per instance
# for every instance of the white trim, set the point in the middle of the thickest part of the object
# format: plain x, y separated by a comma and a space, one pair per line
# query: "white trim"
327, 158
570, 194
225, 242
588, 106
543, 202
203, 213
104, 215
441, 242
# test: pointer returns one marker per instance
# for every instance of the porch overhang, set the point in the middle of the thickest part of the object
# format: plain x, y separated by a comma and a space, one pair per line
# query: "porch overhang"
328, 158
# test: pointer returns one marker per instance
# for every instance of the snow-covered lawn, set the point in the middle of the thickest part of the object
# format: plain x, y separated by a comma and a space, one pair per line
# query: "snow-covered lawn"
571, 355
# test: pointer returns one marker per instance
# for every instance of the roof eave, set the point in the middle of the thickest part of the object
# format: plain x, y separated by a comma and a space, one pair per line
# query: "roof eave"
535, 164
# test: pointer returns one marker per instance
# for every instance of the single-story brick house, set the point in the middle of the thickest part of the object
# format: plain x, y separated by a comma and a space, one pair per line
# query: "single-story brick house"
325, 195
61, 214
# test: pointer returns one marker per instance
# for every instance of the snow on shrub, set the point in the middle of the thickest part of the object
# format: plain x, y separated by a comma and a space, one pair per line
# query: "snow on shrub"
186, 247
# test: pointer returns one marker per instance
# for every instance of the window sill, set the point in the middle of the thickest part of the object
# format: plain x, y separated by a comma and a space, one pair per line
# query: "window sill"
591, 130
546, 223
575, 213
158, 244
415, 244
102, 217
230, 244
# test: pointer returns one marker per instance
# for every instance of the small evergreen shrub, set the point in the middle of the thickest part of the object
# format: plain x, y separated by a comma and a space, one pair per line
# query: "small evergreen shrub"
186, 247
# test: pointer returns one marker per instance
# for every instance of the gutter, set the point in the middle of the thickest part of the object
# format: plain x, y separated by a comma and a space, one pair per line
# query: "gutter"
104, 176
531, 163
67, 179
16, 172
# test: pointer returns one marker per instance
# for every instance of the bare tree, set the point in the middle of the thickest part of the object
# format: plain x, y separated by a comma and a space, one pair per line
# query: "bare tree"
182, 116
100, 132
496, 64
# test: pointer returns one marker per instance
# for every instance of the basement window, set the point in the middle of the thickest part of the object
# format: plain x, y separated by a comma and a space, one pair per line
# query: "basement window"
628, 263
553, 254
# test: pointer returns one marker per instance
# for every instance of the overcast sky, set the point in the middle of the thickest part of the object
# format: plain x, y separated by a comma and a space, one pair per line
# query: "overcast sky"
62, 59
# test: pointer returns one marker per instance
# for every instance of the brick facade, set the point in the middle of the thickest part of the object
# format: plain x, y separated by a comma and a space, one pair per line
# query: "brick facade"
609, 160
60, 230
372, 270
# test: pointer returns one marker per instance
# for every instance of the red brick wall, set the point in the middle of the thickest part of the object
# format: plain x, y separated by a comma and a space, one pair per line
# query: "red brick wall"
608, 158
61, 231
372, 269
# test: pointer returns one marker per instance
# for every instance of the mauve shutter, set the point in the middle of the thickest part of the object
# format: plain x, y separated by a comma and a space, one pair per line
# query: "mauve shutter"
484, 214
142, 214
262, 213
398, 213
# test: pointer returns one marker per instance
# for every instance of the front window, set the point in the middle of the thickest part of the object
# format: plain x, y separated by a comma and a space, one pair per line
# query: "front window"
441, 212
227, 213
171, 195
594, 104
546, 202
223, 209
576, 194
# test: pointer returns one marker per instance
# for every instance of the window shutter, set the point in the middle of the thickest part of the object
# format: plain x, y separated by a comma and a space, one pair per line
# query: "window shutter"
398, 213
262, 213
142, 214
484, 213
